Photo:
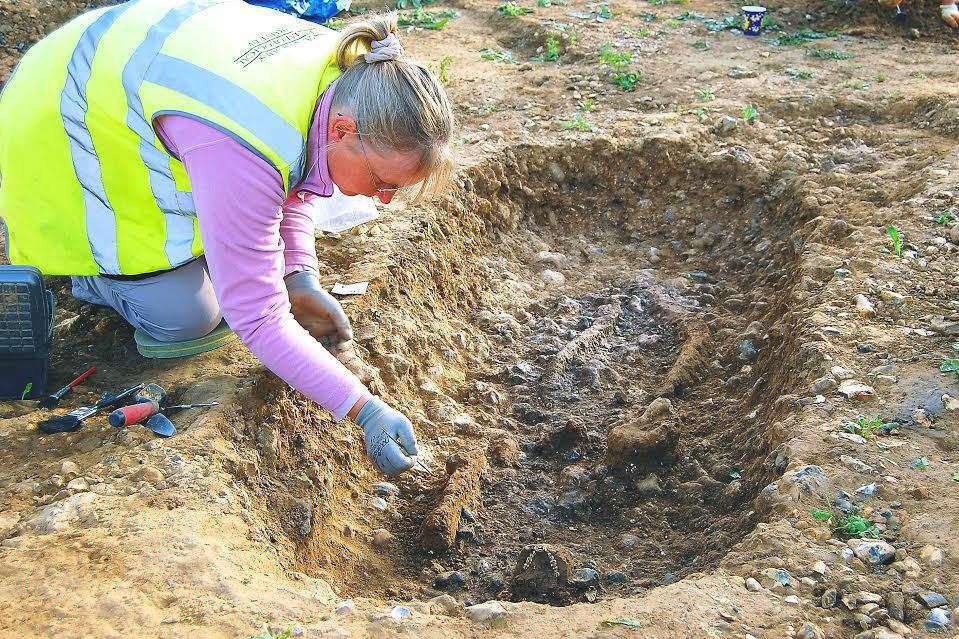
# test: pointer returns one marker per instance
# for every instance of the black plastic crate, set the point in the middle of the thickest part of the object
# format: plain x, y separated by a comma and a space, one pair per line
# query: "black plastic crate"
26, 332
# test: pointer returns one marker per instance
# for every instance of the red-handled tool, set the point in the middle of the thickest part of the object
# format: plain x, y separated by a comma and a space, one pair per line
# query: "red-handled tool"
51, 401
137, 413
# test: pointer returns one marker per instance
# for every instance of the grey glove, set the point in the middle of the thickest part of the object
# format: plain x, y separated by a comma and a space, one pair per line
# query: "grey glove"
389, 436
316, 310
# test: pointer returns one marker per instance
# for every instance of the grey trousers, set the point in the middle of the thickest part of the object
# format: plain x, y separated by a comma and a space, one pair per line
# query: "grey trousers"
174, 306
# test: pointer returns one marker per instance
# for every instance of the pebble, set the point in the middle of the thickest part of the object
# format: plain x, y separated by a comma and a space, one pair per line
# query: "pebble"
931, 556
727, 125
855, 464
61, 515
853, 389
864, 306
882, 633
933, 599
488, 612
386, 489
445, 605
382, 537
616, 577
584, 578
78, 485
824, 384
379, 503
891, 297
69, 469
627, 541
776, 578
809, 630
148, 474
938, 619
791, 599
872, 551
753, 585
450, 580
552, 278
869, 490
820, 568
841, 373
345, 607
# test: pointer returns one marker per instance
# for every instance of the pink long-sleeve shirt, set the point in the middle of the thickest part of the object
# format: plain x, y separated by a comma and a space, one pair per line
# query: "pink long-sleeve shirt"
253, 236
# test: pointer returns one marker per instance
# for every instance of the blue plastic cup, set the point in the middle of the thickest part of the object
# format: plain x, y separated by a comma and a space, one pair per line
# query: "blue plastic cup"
753, 19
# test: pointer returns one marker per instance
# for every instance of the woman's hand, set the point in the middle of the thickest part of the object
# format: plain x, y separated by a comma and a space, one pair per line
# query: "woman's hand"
388, 434
316, 310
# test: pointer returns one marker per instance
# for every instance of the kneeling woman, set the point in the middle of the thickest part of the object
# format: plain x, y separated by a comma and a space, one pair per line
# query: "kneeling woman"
164, 153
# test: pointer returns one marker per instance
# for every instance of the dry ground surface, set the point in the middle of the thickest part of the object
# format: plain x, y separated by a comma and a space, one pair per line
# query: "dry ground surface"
636, 339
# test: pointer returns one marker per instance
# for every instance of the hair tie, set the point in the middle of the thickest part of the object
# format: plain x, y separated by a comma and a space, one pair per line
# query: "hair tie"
389, 48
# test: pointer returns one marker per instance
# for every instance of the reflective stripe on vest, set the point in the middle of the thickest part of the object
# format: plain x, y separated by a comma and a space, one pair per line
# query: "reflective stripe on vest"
256, 75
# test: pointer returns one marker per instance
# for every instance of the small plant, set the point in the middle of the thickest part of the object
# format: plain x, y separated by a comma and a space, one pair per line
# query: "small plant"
706, 94
432, 20
881, 77
702, 45
497, 55
544, 3
604, 13
920, 463
512, 10
407, 4
335, 23
444, 72
803, 36
619, 62
689, 15
896, 237
950, 365
725, 24
269, 634
946, 217
673, 23
919, 75
579, 121
848, 527
858, 85
868, 428
827, 54
798, 74
749, 113
642, 32
551, 52
700, 113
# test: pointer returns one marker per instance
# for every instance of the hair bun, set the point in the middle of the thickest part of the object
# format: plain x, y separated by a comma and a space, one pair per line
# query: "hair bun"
389, 48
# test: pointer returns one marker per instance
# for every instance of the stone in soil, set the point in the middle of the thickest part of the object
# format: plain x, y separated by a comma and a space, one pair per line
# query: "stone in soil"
453, 580
872, 551
488, 612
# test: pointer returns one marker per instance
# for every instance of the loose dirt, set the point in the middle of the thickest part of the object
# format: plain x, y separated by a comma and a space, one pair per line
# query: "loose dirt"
622, 349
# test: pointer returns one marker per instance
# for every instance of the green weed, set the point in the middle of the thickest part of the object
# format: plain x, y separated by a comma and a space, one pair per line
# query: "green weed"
702, 45
444, 73
724, 24
950, 365
552, 51
579, 121
642, 32
846, 526
432, 20
689, 15
619, 63
544, 3
946, 217
706, 94
868, 428
673, 23
497, 55
827, 54
335, 23
798, 74
920, 463
700, 113
604, 13
919, 75
415, 4
896, 237
803, 36
749, 113
511, 9
269, 634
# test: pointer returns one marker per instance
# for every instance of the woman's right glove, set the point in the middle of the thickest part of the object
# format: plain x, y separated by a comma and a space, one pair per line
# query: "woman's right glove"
389, 436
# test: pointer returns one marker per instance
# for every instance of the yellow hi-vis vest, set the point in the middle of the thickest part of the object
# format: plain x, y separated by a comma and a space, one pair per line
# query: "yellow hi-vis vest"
86, 187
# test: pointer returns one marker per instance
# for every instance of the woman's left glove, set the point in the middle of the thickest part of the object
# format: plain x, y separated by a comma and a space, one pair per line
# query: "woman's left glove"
316, 310
389, 436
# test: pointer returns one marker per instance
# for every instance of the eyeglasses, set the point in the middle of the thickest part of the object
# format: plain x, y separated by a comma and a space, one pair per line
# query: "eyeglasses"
374, 180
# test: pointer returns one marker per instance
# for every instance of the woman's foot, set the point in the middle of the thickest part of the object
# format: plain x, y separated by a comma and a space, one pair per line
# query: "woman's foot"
950, 15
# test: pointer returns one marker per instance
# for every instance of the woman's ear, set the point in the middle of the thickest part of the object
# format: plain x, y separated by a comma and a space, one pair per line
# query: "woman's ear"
340, 126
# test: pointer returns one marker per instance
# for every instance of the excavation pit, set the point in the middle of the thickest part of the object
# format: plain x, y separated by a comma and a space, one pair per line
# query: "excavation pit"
592, 349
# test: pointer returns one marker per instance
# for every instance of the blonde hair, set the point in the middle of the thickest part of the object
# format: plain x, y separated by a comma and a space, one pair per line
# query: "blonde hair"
398, 103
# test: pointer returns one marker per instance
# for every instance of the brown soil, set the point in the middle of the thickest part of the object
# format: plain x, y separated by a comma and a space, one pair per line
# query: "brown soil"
648, 415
